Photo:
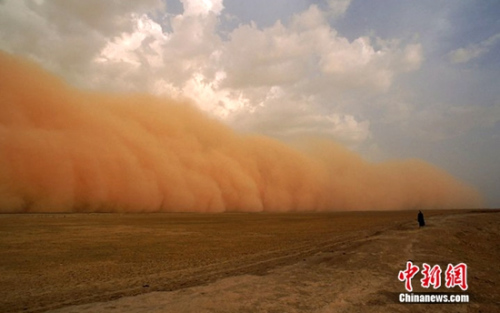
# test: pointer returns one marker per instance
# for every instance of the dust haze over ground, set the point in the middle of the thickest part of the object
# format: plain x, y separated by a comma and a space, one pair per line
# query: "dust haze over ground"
63, 149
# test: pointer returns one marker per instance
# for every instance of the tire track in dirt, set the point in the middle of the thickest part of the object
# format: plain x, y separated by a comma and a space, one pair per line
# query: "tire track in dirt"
255, 264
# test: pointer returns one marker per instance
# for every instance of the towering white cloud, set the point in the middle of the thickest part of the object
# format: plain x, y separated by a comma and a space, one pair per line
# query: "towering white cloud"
338, 7
202, 7
253, 74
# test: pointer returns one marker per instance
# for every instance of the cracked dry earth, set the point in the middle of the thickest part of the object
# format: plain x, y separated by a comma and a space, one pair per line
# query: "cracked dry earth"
347, 271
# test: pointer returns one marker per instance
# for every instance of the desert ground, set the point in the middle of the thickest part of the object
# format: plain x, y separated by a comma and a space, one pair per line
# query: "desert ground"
237, 262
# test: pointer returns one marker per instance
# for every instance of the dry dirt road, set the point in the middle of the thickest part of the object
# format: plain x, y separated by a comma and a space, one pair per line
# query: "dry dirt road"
335, 262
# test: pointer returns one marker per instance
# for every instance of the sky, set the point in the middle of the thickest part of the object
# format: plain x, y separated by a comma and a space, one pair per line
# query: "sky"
393, 79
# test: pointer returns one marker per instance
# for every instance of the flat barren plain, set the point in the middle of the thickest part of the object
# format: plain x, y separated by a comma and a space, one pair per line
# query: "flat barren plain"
237, 262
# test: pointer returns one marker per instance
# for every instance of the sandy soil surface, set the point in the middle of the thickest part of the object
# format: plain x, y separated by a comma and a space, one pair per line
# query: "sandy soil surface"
337, 262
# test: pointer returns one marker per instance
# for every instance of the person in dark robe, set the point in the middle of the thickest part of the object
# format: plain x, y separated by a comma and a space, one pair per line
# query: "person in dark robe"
420, 219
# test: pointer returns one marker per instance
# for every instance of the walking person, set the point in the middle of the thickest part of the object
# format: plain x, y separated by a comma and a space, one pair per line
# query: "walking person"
420, 219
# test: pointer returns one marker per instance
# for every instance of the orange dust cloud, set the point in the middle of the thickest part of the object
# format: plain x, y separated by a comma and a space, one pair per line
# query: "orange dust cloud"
63, 149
